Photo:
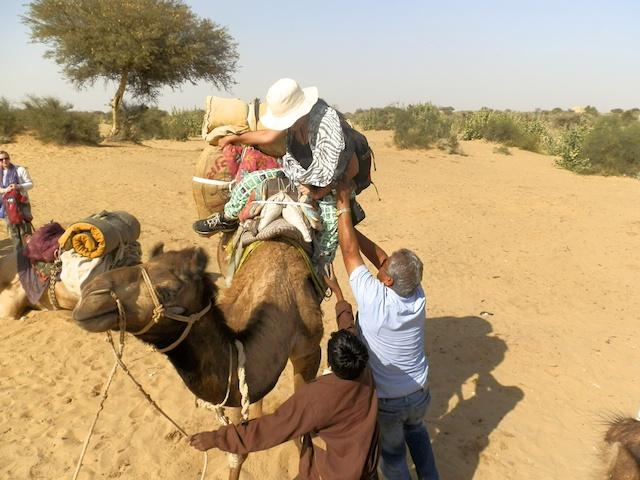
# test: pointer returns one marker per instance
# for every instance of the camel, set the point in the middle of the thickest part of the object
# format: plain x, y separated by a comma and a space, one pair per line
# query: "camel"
623, 436
13, 299
271, 307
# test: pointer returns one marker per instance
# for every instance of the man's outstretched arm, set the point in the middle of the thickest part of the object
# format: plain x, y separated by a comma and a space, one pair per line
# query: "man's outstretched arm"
347, 235
371, 250
291, 420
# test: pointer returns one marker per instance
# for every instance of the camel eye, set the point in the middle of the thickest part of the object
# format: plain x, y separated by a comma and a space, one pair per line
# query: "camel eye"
167, 291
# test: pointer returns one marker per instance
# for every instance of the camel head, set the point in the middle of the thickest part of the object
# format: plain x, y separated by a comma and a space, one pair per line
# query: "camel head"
623, 453
178, 278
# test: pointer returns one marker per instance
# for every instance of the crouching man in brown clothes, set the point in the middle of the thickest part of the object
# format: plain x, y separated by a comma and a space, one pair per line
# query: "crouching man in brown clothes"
335, 414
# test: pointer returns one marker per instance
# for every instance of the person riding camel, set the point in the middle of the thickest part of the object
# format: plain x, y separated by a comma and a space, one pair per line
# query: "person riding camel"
321, 149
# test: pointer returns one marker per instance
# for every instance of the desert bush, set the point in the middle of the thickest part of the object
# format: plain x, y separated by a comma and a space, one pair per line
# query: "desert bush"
451, 145
141, 122
420, 126
509, 128
182, 124
502, 150
474, 124
9, 121
375, 118
564, 119
612, 146
54, 122
570, 150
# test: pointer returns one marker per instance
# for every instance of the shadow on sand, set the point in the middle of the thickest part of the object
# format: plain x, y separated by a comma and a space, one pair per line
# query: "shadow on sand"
459, 350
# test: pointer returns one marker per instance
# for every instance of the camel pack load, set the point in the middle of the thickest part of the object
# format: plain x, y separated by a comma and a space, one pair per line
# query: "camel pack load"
72, 256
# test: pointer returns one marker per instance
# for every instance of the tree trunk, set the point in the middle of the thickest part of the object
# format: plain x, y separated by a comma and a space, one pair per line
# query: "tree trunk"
115, 105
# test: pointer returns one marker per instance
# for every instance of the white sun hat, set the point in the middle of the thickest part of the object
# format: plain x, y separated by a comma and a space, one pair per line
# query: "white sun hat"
286, 103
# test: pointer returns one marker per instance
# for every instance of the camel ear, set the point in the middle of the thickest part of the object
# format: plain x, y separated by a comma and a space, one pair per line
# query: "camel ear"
199, 261
158, 249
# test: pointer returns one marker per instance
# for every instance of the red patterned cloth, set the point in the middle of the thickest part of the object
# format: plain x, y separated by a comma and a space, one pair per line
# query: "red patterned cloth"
253, 160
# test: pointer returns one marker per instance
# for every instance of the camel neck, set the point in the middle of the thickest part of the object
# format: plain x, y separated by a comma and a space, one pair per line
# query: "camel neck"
202, 359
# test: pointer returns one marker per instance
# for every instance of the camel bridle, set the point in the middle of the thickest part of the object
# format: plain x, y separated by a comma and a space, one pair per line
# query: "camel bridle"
159, 311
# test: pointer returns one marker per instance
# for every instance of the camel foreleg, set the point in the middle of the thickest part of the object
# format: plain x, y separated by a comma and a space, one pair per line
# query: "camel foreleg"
306, 361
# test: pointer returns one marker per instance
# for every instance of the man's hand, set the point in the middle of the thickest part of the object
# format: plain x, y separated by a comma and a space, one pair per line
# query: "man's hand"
202, 441
332, 283
305, 190
224, 141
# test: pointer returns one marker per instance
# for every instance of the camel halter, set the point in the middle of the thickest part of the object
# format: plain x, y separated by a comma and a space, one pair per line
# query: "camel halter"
234, 460
160, 311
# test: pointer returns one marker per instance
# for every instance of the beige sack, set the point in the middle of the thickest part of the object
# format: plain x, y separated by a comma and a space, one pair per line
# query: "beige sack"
220, 112
210, 198
227, 116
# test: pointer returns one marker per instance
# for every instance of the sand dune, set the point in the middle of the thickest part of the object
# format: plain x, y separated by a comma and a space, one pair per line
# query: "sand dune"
531, 274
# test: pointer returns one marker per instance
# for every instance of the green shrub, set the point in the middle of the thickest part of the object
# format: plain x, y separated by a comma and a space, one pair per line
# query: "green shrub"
9, 121
570, 150
375, 118
53, 122
420, 126
474, 124
453, 145
182, 124
509, 128
151, 123
613, 146
140, 122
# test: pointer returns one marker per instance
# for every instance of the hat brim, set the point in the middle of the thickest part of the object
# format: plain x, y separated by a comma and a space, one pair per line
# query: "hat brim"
282, 122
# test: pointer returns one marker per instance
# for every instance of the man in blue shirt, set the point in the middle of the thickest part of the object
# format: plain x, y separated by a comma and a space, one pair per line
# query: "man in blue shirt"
391, 318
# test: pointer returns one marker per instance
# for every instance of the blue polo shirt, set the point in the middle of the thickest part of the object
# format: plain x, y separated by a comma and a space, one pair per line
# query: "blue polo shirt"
393, 329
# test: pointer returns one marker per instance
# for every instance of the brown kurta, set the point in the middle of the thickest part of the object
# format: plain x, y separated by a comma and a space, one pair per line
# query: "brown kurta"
336, 417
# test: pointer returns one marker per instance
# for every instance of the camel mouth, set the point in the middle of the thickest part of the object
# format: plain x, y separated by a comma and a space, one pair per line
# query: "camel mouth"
96, 313
98, 323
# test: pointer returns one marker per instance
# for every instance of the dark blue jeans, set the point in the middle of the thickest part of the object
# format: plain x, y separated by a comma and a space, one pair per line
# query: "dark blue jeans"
401, 422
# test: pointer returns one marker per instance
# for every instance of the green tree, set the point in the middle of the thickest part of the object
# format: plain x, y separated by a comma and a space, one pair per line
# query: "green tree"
141, 45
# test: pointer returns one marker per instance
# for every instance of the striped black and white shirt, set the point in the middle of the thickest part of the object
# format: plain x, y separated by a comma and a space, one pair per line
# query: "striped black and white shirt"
328, 149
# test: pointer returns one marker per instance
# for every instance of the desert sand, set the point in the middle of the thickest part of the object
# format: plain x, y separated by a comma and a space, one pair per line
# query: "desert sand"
532, 275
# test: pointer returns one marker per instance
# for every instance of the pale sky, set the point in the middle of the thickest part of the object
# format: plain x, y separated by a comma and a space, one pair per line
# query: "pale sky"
467, 54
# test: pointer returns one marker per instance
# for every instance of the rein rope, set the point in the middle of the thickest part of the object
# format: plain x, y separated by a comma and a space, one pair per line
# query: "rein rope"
159, 311
51, 290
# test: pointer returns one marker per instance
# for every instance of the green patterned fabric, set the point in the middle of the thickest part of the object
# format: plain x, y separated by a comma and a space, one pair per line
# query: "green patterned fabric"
241, 192
328, 236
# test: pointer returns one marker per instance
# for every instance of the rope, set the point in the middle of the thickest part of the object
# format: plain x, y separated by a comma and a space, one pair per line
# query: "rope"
51, 291
119, 363
281, 202
95, 420
242, 381
159, 312
105, 391
234, 459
